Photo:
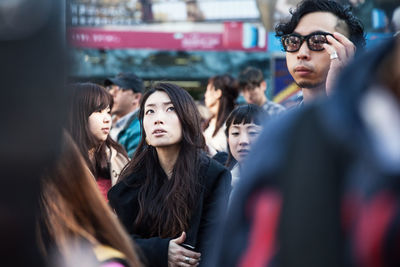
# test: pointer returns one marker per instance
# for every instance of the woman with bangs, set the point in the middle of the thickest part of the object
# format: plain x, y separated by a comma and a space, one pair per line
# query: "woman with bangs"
243, 126
170, 196
89, 125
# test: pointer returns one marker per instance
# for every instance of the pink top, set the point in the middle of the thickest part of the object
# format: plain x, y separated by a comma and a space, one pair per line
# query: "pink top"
104, 185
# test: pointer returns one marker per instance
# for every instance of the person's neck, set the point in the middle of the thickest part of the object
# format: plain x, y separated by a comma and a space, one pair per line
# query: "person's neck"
213, 120
310, 94
263, 101
239, 165
214, 110
167, 157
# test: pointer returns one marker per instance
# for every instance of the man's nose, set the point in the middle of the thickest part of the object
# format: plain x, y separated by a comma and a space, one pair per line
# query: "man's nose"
304, 51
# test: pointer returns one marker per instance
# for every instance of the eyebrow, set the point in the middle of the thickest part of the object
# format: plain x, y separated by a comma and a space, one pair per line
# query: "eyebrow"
164, 104
253, 126
314, 32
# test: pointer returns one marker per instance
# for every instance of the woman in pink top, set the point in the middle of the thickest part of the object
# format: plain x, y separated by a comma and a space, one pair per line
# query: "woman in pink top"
89, 125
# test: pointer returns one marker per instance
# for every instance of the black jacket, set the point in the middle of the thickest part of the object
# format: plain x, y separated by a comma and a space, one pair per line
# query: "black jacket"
213, 198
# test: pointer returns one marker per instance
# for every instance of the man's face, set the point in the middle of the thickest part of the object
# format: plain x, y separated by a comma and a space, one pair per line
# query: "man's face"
125, 101
255, 95
310, 68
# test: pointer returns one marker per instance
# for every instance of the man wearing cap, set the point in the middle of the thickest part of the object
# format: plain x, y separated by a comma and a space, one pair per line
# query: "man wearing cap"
320, 38
126, 89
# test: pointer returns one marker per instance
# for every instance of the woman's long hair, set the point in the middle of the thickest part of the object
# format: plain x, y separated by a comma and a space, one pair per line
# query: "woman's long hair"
230, 91
248, 113
165, 205
86, 99
73, 211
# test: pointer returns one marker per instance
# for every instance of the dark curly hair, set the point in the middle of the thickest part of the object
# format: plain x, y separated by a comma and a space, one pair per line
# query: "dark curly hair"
343, 12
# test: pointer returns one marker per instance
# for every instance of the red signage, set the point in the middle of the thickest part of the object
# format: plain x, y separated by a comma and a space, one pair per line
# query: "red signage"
130, 39
233, 37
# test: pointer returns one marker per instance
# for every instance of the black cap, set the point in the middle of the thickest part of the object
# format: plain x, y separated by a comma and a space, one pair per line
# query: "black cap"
126, 81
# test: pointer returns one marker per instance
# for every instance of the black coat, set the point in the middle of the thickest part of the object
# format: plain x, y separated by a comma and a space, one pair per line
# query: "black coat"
212, 202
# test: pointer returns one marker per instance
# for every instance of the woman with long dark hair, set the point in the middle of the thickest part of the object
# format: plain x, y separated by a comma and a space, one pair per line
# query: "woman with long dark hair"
89, 125
75, 220
170, 194
220, 97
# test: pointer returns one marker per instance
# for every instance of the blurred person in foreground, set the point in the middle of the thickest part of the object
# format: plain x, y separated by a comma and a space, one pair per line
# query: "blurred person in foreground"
320, 38
75, 225
170, 196
126, 89
322, 189
34, 63
253, 86
220, 99
89, 125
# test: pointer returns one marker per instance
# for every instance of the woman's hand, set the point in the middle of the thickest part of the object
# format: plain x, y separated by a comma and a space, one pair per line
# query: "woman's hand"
180, 256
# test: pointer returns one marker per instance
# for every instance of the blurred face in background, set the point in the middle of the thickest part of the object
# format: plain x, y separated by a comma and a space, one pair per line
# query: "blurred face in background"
100, 124
211, 98
160, 122
125, 100
241, 137
255, 94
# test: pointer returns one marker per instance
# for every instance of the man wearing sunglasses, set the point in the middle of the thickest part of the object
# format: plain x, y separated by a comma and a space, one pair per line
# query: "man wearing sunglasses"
320, 38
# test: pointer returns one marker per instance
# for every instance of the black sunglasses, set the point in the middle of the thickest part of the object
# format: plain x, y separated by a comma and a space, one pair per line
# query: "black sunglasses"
292, 42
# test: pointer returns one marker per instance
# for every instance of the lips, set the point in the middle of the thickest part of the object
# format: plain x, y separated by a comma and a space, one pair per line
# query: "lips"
157, 132
243, 152
301, 70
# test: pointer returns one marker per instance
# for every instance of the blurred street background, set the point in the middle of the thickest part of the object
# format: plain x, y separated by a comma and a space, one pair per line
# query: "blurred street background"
188, 41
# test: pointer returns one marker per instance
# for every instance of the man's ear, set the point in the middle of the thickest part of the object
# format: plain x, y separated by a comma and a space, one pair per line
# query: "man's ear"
263, 86
138, 96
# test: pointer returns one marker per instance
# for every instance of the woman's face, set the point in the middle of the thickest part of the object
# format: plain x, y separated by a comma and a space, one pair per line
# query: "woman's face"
100, 124
161, 123
241, 137
211, 96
